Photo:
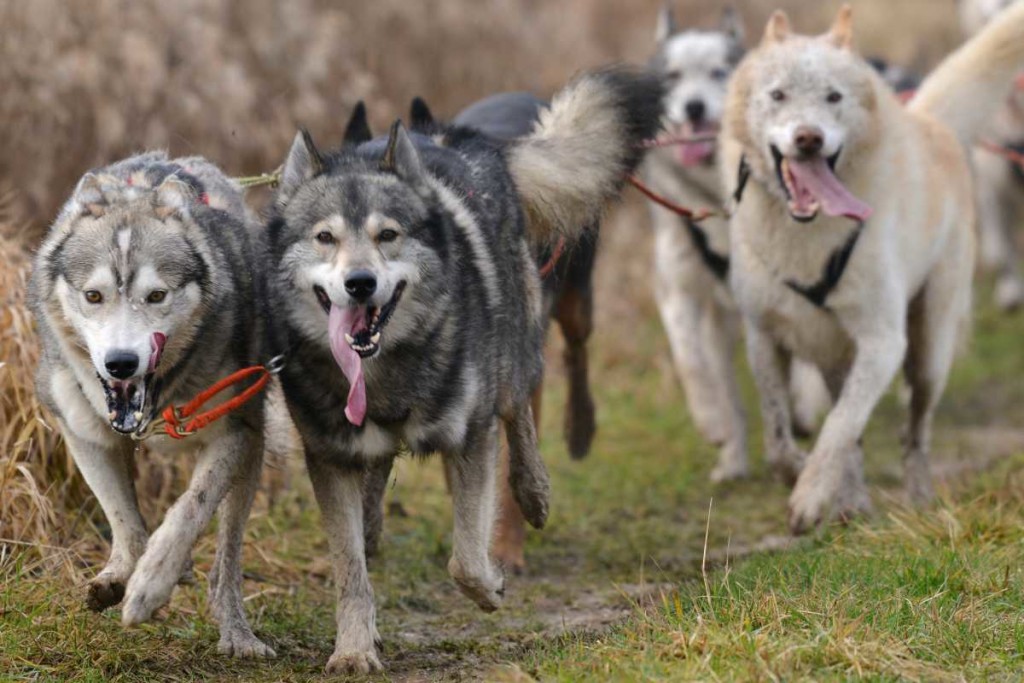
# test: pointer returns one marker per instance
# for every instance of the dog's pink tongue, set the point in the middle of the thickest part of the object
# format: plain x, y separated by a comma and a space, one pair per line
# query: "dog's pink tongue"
695, 153
817, 178
339, 322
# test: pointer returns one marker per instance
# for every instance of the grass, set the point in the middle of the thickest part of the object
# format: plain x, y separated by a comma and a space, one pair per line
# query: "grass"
615, 588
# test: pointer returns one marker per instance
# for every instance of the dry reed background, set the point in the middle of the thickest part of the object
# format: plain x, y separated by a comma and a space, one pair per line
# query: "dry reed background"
86, 83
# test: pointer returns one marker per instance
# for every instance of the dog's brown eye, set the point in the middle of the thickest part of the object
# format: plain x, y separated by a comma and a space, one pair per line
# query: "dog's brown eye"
834, 97
674, 75
778, 95
719, 74
325, 237
157, 296
93, 297
387, 235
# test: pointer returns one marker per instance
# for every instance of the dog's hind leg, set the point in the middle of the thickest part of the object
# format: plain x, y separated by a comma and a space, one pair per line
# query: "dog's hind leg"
236, 636
107, 470
375, 481
934, 323
719, 342
339, 493
997, 190
770, 368
575, 314
170, 547
472, 476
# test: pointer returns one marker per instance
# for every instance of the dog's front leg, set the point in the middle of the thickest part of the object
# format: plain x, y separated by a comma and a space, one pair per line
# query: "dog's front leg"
107, 469
769, 365
236, 636
832, 483
170, 547
471, 474
340, 496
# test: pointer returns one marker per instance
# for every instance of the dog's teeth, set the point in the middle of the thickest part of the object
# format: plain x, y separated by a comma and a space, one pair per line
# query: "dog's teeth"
112, 415
350, 339
375, 338
137, 415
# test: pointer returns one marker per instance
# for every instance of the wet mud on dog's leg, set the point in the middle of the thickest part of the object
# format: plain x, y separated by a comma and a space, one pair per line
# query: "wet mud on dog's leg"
108, 472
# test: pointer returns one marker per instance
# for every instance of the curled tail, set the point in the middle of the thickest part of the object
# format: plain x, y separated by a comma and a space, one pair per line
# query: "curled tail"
968, 87
577, 156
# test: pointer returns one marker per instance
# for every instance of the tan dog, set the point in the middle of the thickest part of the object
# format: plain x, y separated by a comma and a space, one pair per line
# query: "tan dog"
853, 238
1000, 183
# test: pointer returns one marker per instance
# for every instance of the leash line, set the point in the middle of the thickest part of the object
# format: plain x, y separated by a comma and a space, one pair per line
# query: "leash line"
688, 213
172, 421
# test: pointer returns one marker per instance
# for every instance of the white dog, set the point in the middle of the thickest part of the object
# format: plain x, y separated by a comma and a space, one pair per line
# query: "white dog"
691, 260
1000, 183
853, 236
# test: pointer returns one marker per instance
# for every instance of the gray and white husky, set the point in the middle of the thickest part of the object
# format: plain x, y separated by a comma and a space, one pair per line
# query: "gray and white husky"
691, 260
1000, 183
143, 294
405, 293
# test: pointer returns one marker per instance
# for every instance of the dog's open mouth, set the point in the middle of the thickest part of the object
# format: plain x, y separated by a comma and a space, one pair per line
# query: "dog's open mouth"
811, 186
363, 325
126, 402
355, 333
702, 149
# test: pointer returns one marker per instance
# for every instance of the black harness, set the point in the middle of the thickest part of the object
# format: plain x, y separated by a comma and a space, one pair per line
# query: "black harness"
818, 293
1018, 170
715, 262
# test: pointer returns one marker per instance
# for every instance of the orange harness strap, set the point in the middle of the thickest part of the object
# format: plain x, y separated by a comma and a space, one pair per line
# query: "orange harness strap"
173, 417
549, 266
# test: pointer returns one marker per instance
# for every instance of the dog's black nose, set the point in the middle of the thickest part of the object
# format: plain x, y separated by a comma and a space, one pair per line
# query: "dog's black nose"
809, 140
361, 284
696, 110
121, 364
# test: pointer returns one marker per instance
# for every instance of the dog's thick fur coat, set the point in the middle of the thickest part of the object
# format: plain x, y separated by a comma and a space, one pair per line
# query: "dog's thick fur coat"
902, 294
143, 294
418, 249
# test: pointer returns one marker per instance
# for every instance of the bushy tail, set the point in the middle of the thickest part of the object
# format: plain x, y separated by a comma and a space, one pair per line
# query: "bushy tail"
577, 156
968, 87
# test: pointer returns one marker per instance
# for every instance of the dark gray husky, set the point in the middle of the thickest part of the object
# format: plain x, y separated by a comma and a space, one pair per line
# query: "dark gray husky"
404, 291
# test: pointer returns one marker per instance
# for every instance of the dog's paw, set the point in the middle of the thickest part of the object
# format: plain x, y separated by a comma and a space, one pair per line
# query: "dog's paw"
106, 590
580, 425
509, 555
787, 464
240, 643
820, 498
486, 588
343, 663
1009, 293
732, 464
142, 599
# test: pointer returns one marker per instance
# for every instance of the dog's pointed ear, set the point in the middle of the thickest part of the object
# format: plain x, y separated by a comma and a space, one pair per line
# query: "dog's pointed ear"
732, 24
88, 196
841, 33
358, 129
420, 115
666, 26
402, 159
777, 29
304, 163
174, 197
